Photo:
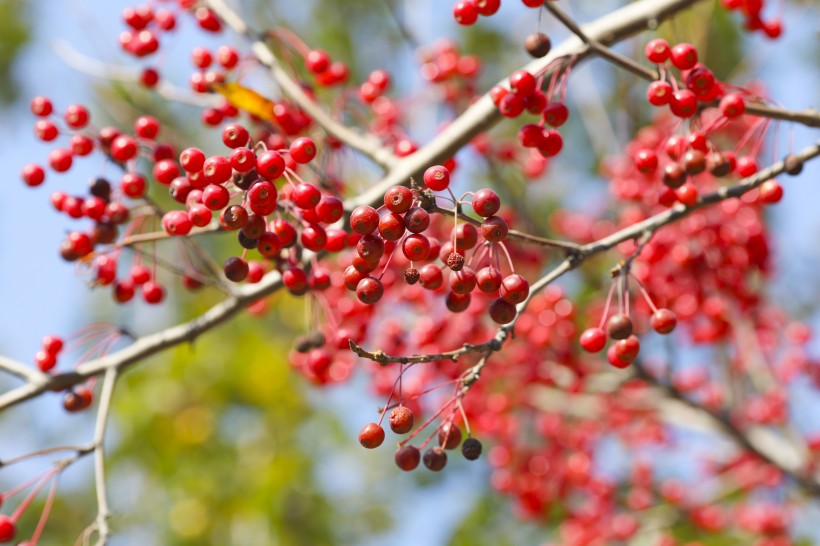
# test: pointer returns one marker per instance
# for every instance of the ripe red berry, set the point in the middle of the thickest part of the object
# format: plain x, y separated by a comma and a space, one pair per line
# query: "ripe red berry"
177, 222
33, 175
628, 349
305, 196
416, 220
657, 51
146, 127
556, 114
60, 160
515, 288
614, 360
408, 457
398, 199
369, 290
771, 192
76, 116
45, 360
371, 436
663, 321
512, 105
486, 202
236, 269
732, 105
593, 340
683, 103
46, 130
465, 12
317, 61
684, 56
401, 420
416, 247
235, 135
659, 93
522, 83
270, 164
303, 150
41, 106
77, 400
364, 220
153, 292
437, 178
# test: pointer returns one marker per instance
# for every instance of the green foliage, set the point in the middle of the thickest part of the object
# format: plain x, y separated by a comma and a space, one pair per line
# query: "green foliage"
14, 34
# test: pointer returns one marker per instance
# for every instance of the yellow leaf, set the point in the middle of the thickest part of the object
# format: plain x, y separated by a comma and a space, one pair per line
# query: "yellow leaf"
246, 99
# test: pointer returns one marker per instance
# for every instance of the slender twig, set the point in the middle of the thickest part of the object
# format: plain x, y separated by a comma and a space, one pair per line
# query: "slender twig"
103, 511
22, 371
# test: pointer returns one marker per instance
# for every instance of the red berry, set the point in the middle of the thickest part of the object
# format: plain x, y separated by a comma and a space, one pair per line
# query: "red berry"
614, 360
401, 420
398, 199
732, 105
46, 130
435, 458
628, 349
449, 436
437, 178
41, 106
305, 196
76, 116
683, 103
657, 51
369, 290
153, 292
684, 56
45, 360
33, 175
465, 12
659, 93
502, 311
317, 61
303, 150
593, 340
270, 164
60, 160
556, 114
663, 321
522, 83
771, 192
371, 436
235, 135
146, 127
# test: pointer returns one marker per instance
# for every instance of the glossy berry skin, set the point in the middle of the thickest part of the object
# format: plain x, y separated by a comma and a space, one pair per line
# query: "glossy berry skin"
488, 279
556, 114
628, 349
235, 135
371, 436
659, 93
236, 269
471, 449
465, 12
398, 199
416, 220
416, 247
270, 164
486, 202
33, 175
614, 360
494, 229
657, 51
732, 105
364, 220
317, 61
401, 420
435, 458
408, 457
515, 288
683, 103
619, 327
538, 45
437, 178
684, 56
522, 83
593, 340
303, 150
369, 290
305, 196
7, 528
663, 321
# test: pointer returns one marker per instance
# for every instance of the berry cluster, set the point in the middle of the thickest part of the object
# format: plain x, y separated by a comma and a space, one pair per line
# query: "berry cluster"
466, 12
525, 94
752, 12
403, 223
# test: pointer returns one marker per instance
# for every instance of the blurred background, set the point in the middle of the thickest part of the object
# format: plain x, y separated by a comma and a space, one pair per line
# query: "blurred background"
221, 442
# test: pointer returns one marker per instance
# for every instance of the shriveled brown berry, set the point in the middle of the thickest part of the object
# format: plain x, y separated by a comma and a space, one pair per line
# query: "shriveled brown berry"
371, 436
619, 327
455, 261
411, 275
471, 449
694, 162
538, 45
236, 269
674, 176
401, 420
793, 164
408, 457
449, 436
717, 164
435, 458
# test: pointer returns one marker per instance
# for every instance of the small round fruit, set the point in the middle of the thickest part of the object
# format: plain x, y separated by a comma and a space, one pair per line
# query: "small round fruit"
449, 436
593, 340
408, 457
401, 420
371, 436
435, 459
619, 327
471, 449
663, 321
